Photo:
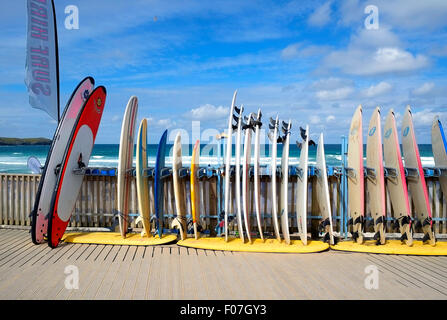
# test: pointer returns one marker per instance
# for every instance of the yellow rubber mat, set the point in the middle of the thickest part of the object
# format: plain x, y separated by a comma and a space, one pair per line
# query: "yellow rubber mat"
394, 247
132, 239
257, 245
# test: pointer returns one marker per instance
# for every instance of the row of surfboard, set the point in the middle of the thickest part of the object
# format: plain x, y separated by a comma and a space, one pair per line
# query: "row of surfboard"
385, 168
279, 133
74, 138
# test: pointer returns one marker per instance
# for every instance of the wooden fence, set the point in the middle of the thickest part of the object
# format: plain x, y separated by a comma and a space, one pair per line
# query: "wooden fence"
96, 204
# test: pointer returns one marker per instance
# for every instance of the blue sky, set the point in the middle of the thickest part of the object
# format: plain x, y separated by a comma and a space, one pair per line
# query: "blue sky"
311, 61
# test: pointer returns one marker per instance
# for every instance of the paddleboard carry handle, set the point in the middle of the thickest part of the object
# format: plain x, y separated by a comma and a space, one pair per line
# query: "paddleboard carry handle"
390, 172
411, 172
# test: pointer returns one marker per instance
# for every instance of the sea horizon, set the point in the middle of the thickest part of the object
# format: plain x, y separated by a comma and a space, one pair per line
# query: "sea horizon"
13, 159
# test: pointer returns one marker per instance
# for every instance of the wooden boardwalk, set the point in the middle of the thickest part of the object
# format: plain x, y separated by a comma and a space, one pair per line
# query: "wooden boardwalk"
28, 271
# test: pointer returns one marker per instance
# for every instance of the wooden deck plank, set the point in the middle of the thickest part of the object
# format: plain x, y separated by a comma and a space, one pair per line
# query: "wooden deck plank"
28, 271
112, 273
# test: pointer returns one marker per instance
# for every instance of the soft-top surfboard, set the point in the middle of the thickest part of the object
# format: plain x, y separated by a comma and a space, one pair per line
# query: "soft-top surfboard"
77, 156
375, 180
39, 215
273, 126
125, 163
322, 189
158, 183
416, 179
301, 188
246, 173
237, 178
356, 186
195, 192
227, 165
439, 147
257, 183
142, 178
284, 203
396, 182
179, 188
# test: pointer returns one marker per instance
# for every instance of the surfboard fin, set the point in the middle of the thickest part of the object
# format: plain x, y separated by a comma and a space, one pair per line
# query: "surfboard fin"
237, 110
327, 237
355, 236
303, 133
312, 143
426, 237
403, 237
299, 145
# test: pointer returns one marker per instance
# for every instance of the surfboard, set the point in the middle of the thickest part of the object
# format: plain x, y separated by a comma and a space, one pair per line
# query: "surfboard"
179, 188
416, 180
227, 165
284, 201
273, 126
246, 174
77, 156
301, 189
375, 180
355, 174
439, 147
125, 163
41, 209
142, 178
322, 189
195, 192
237, 178
257, 182
395, 181
158, 183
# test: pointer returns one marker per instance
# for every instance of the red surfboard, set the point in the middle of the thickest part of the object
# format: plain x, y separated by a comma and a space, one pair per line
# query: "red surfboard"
77, 155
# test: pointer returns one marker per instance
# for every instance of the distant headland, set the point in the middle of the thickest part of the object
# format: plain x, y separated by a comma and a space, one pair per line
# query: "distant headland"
25, 141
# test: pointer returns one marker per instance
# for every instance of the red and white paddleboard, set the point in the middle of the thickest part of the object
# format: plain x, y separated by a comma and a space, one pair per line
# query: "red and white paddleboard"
77, 156
55, 156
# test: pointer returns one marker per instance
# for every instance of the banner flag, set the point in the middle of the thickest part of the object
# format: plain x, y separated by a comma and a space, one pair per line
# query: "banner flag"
42, 65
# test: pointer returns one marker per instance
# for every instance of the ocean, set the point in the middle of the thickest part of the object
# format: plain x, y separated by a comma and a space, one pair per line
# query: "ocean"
13, 159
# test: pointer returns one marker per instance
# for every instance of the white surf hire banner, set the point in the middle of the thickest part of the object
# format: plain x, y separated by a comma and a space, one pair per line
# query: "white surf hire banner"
42, 70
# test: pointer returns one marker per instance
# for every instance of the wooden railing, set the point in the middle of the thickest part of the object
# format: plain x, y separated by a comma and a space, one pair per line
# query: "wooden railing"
96, 203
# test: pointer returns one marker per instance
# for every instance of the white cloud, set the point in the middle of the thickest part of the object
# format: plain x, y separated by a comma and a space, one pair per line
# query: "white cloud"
209, 112
384, 60
337, 94
330, 118
376, 90
314, 119
321, 16
424, 89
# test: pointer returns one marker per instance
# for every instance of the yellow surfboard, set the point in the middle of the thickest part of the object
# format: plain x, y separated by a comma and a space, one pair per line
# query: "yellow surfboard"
195, 193
394, 247
142, 179
256, 245
115, 238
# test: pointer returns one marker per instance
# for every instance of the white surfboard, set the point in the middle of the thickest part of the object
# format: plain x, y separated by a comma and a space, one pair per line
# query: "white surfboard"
257, 182
245, 175
301, 190
284, 204
227, 165
237, 177
439, 147
375, 180
125, 163
273, 126
416, 179
356, 185
142, 179
395, 181
322, 189
179, 189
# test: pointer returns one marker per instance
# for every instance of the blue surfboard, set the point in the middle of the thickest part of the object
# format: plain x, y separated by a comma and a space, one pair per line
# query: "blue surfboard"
158, 183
